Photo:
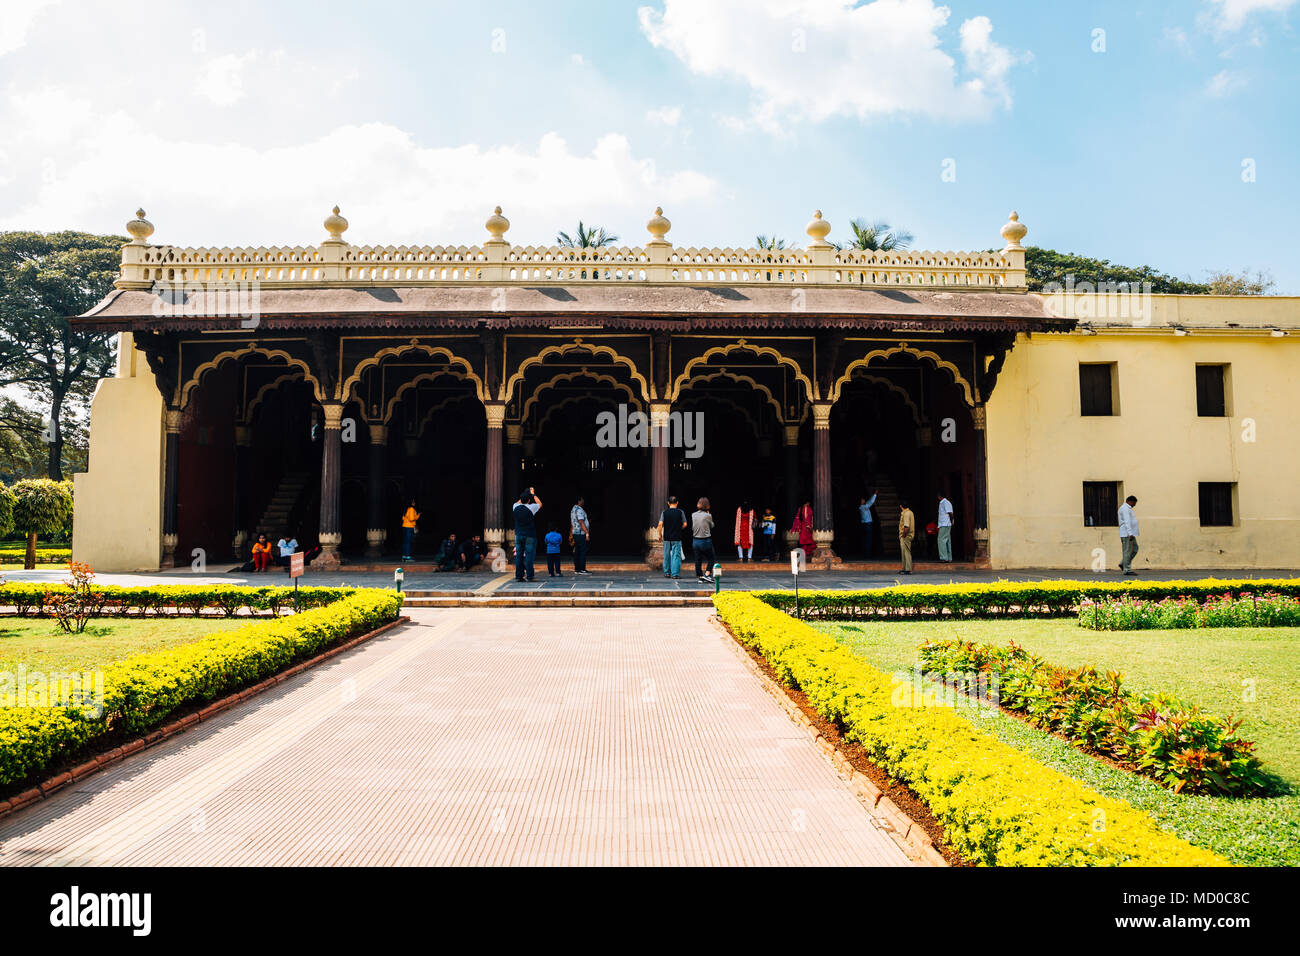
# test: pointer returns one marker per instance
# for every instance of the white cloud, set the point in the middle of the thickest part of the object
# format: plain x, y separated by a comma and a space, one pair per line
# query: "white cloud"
391, 188
810, 60
665, 116
221, 78
1231, 15
1224, 83
16, 21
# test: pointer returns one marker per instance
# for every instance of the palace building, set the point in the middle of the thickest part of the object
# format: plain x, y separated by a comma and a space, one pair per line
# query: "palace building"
318, 389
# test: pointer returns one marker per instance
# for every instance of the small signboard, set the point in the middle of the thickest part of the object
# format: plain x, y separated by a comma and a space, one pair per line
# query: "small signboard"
798, 563
295, 565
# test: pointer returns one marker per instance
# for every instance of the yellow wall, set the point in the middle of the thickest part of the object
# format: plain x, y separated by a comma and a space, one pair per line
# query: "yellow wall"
1041, 450
117, 521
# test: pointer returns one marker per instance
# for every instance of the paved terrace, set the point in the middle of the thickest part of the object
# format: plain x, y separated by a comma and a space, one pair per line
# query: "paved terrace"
481, 737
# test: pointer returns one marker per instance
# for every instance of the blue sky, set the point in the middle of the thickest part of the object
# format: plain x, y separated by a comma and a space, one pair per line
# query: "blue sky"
738, 116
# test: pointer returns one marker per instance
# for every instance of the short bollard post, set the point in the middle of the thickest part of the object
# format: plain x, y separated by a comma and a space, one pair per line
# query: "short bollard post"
797, 558
717, 578
398, 577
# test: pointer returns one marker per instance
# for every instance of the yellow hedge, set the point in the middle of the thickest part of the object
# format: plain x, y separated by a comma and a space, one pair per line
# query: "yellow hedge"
998, 806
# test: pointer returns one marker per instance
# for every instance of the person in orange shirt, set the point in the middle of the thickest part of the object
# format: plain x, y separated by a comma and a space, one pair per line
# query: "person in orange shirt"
261, 553
408, 530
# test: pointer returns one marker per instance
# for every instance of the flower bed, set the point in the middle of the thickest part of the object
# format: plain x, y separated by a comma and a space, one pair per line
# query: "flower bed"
142, 691
997, 805
1003, 598
1243, 609
1162, 737
43, 555
38, 600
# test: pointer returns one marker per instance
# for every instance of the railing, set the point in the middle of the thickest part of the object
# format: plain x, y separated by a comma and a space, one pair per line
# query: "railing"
336, 263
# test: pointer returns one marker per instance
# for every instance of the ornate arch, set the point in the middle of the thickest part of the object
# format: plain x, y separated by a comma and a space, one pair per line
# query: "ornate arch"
265, 391
193, 382
938, 362
577, 344
731, 403
742, 344
445, 403
414, 346
422, 377
568, 400
569, 377
893, 387
735, 377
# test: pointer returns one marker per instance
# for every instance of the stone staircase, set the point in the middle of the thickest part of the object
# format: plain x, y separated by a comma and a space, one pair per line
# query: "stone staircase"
275, 519
603, 597
887, 511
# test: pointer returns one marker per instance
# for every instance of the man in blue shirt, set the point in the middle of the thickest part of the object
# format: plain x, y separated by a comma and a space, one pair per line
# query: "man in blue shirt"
553, 553
525, 512
868, 525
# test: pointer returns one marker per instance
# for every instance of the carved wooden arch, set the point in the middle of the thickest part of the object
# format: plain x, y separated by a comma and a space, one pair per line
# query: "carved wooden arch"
422, 377
569, 400
187, 389
739, 345
893, 387
264, 392
396, 351
938, 362
735, 377
732, 403
445, 403
532, 399
647, 393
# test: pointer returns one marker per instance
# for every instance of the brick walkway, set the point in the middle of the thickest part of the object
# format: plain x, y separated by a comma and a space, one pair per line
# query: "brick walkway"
481, 737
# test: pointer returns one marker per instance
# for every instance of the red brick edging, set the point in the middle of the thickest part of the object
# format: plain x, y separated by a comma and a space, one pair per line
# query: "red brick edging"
180, 725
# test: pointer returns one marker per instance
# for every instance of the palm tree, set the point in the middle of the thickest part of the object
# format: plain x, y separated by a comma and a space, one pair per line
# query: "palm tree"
877, 236
772, 244
586, 238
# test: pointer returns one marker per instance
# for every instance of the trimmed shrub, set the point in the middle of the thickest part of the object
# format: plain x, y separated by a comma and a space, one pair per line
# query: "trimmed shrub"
142, 691
177, 600
1009, 599
998, 806
1160, 736
1224, 610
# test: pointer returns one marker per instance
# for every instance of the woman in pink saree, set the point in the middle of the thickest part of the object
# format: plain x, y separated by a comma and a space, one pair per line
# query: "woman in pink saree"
803, 527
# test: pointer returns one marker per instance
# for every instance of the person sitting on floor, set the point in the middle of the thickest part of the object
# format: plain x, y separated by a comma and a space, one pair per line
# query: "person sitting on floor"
449, 554
471, 553
261, 553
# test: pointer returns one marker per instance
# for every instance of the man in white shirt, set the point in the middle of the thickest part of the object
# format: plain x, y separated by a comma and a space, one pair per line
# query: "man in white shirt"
285, 548
945, 529
1128, 534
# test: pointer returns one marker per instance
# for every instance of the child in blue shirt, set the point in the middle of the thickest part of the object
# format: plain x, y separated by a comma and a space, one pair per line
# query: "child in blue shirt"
553, 553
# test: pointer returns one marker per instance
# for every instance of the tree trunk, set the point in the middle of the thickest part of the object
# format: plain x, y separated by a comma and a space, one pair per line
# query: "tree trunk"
29, 559
55, 466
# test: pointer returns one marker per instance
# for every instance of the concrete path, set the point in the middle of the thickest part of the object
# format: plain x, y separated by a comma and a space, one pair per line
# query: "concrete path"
503, 736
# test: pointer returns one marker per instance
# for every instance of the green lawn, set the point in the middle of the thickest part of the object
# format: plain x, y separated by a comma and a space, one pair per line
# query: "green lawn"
40, 645
1205, 667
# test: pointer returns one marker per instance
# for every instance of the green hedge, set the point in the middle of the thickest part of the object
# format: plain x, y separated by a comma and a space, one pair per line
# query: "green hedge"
997, 805
142, 691
43, 555
30, 599
1003, 598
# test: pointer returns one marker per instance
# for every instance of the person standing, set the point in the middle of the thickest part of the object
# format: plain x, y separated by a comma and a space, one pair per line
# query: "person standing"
944, 523
553, 540
1128, 535
525, 514
409, 518
767, 536
672, 525
906, 531
743, 538
803, 527
868, 523
580, 531
702, 541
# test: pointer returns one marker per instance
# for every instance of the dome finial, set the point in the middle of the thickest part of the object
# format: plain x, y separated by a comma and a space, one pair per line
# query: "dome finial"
497, 225
139, 228
658, 226
819, 229
335, 225
1014, 231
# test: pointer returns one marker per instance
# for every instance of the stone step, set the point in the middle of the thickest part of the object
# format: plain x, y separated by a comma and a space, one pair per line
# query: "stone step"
561, 600
575, 593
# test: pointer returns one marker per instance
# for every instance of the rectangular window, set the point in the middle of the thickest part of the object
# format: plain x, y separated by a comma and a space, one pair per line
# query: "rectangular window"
1211, 391
1097, 388
1101, 504
1216, 503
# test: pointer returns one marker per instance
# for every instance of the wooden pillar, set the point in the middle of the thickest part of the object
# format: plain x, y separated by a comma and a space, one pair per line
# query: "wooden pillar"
981, 487
330, 533
823, 519
493, 525
790, 459
376, 526
239, 539
171, 477
510, 473
659, 439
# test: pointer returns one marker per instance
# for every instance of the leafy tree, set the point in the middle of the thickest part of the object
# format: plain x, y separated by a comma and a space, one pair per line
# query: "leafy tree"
41, 506
1230, 283
44, 279
877, 236
24, 452
586, 237
1047, 266
772, 243
6, 511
